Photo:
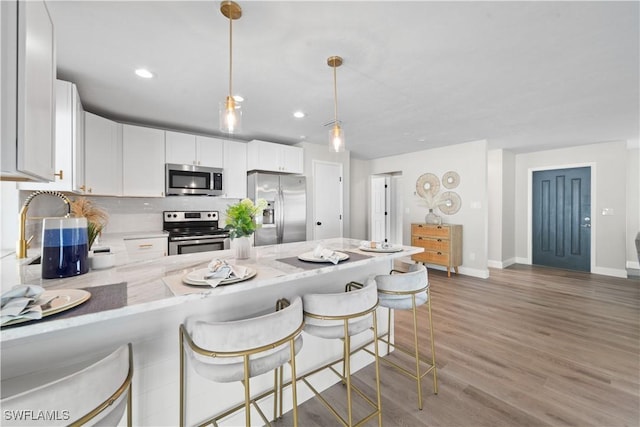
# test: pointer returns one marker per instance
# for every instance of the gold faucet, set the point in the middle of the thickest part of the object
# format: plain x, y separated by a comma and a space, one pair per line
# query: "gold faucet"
22, 244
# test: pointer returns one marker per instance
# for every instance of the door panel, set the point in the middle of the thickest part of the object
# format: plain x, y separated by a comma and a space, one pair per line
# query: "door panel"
327, 193
378, 206
561, 218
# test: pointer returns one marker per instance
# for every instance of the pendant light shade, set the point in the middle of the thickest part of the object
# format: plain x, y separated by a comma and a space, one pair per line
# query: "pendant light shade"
336, 133
230, 111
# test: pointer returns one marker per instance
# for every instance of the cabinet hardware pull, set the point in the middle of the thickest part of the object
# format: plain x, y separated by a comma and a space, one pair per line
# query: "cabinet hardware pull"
82, 187
59, 174
145, 246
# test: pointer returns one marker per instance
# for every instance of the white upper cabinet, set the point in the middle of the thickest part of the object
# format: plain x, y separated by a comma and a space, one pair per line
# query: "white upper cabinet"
27, 91
267, 156
143, 154
188, 149
180, 148
69, 143
209, 151
103, 156
235, 169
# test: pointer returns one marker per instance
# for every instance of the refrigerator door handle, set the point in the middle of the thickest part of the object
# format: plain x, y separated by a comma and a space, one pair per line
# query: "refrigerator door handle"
280, 229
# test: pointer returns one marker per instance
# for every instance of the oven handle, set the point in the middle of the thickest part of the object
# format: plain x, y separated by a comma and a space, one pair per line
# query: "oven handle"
219, 237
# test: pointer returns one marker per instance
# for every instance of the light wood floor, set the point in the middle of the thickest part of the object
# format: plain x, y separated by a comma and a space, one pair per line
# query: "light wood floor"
530, 346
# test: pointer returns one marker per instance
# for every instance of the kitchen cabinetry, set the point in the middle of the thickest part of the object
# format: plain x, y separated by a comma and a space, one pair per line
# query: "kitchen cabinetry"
267, 156
187, 149
103, 156
235, 169
69, 143
139, 249
442, 244
27, 91
143, 161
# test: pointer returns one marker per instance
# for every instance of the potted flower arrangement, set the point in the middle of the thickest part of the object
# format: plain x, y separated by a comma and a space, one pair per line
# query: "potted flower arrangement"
241, 224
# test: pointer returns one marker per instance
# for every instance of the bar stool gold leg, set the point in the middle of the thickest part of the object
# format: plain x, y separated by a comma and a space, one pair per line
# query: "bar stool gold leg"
376, 361
433, 347
417, 350
294, 389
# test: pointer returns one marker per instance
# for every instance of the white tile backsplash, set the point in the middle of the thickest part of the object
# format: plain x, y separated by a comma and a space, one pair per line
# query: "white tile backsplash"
126, 214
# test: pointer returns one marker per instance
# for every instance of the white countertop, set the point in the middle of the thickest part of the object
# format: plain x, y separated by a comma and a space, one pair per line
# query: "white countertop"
147, 280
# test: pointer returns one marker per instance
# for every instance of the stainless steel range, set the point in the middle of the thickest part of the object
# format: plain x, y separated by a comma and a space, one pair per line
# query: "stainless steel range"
195, 231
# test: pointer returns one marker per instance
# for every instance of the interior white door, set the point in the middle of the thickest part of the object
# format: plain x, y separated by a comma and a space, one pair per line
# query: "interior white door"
378, 221
327, 200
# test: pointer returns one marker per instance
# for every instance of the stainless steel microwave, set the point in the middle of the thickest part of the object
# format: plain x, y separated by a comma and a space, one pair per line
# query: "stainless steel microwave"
191, 180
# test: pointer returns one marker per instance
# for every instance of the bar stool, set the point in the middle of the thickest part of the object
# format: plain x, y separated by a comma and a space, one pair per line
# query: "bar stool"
95, 395
407, 291
238, 350
343, 315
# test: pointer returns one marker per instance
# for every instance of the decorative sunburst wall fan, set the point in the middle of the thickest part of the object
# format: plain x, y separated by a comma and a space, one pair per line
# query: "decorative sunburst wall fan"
448, 202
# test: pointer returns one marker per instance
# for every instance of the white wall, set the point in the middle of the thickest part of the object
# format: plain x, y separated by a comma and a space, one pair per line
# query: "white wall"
359, 202
501, 189
9, 216
633, 205
609, 181
469, 160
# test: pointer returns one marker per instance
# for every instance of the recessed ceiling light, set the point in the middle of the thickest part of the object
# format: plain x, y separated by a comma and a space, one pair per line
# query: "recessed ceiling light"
144, 73
299, 114
238, 98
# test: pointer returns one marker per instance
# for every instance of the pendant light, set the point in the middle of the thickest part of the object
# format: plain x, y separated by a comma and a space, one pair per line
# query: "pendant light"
336, 134
230, 112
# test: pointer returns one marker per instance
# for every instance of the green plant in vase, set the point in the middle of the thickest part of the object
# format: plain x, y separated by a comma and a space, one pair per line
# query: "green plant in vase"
241, 217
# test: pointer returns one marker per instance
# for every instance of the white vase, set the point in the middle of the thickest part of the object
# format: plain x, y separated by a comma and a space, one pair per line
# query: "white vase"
242, 246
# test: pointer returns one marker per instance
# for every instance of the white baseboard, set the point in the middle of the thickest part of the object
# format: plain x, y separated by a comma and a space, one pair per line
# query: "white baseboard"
501, 264
614, 272
474, 272
633, 265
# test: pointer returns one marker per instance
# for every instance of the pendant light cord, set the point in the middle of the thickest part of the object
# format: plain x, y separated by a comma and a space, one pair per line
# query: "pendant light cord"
230, 54
335, 96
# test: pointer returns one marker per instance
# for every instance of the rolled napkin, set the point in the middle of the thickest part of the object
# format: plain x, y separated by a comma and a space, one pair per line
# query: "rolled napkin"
20, 302
220, 270
375, 245
328, 254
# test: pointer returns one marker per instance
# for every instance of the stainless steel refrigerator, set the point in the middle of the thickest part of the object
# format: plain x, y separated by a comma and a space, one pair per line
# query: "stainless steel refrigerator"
285, 218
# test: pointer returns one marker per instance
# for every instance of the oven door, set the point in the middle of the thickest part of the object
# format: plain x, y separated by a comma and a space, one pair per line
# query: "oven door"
192, 245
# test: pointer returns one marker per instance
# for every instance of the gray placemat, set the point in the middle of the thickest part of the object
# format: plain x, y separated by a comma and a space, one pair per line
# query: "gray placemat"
307, 265
105, 297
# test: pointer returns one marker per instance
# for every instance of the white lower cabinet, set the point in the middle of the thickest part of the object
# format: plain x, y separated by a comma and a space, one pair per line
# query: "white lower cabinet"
143, 161
103, 156
139, 249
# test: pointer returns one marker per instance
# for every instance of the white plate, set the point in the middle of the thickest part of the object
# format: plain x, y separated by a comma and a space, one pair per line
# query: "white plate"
196, 278
385, 250
309, 256
65, 300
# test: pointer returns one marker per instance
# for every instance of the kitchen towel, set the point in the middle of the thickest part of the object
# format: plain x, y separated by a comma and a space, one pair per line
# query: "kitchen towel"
20, 302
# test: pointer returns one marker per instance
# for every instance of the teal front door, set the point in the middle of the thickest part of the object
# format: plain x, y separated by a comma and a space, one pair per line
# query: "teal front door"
561, 218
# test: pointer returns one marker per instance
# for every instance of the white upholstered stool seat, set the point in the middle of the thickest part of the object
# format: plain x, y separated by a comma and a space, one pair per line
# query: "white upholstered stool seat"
238, 350
341, 316
408, 291
95, 395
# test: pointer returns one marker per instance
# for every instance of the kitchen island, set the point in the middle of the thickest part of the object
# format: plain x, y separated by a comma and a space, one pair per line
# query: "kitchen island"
156, 302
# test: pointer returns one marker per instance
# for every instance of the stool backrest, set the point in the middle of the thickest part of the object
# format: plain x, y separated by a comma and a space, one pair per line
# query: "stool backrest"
246, 334
414, 280
72, 398
341, 304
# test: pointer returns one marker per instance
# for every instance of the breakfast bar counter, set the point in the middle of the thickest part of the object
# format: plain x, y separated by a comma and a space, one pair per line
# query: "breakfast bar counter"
145, 302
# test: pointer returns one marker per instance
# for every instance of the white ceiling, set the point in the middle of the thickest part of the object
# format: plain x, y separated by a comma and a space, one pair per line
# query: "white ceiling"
416, 75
